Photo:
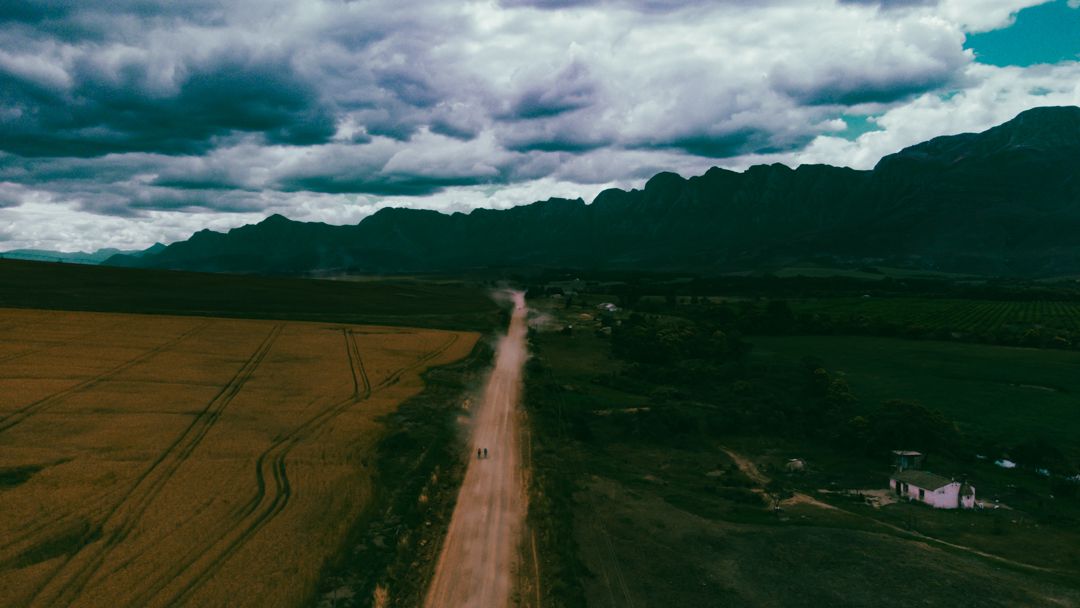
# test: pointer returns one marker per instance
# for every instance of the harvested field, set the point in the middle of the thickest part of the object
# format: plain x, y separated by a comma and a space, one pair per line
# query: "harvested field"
170, 461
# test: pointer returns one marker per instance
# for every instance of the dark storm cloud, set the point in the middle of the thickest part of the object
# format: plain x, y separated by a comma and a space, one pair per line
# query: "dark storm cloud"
394, 185
559, 144
79, 20
409, 86
891, 4
136, 199
641, 5
722, 146
387, 124
219, 181
32, 11
9, 199
736, 142
170, 200
449, 126
52, 170
117, 111
570, 134
571, 89
848, 89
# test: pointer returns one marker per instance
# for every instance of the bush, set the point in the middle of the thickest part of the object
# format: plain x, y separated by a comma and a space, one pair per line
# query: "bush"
910, 425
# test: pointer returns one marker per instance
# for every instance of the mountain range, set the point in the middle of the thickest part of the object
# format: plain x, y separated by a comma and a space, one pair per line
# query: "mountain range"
76, 257
1003, 202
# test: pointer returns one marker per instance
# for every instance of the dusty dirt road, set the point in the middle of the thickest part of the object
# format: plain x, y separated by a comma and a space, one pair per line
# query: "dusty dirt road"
476, 566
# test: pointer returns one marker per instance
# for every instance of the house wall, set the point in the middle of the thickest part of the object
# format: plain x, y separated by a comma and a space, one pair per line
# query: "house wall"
968, 502
947, 497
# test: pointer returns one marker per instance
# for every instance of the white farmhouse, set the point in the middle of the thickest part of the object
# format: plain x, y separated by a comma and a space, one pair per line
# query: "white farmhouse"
937, 491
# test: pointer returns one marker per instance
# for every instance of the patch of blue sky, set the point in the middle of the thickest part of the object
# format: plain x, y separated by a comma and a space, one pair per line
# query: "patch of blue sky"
856, 126
1047, 33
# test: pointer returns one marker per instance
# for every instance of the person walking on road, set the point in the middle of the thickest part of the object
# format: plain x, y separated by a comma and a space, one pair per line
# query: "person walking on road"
485, 452
478, 452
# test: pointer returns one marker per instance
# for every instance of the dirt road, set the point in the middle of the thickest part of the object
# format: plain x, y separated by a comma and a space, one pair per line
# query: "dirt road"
476, 567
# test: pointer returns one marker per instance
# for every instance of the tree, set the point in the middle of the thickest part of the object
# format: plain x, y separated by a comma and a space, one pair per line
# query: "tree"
1038, 454
911, 425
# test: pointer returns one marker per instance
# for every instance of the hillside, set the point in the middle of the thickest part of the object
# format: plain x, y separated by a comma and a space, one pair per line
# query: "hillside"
1005, 202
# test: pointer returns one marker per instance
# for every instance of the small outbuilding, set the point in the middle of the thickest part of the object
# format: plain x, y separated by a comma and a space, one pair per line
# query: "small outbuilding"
907, 459
937, 491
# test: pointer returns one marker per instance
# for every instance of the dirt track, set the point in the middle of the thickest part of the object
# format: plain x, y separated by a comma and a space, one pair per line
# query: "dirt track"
476, 566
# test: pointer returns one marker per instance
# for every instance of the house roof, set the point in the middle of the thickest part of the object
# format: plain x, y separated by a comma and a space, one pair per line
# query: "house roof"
906, 453
922, 479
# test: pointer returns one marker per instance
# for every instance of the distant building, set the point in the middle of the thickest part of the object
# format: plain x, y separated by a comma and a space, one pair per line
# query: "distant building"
907, 459
937, 491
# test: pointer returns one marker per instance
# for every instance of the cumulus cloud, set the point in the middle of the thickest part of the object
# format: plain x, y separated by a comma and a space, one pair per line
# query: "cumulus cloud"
993, 95
164, 117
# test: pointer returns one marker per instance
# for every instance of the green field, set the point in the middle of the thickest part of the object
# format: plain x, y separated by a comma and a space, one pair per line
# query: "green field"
870, 274
1001, 392
677, 523
449, 304
984, 317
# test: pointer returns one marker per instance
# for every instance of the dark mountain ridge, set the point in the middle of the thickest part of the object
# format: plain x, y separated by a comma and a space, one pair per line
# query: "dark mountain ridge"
1005, 201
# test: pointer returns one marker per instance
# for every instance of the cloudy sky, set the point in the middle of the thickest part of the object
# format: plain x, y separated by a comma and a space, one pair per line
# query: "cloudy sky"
127, 122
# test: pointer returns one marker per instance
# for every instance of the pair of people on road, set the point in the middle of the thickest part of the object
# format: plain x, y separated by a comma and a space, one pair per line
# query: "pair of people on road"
481, 453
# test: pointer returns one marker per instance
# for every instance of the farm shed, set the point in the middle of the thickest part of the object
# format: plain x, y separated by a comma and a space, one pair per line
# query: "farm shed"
937, 491
907, 459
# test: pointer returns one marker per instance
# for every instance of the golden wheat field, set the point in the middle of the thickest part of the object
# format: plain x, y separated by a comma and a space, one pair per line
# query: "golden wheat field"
179, 461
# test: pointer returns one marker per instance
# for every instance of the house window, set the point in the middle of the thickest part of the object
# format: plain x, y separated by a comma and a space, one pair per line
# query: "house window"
922, 494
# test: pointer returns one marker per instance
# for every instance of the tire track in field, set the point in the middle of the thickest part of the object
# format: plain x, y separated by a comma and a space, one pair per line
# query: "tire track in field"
34, 528
132, 505
92, 505
19, 415
26, 535
270, 463
394, 377
263, 507
361, 391
21, 354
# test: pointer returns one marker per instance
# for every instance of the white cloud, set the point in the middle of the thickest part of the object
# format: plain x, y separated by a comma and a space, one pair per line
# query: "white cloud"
984, 15
993, 96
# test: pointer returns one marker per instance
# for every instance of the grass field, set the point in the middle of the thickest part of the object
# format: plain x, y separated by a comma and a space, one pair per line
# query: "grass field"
169, 461
874, 274
412, 302
658, 523
981, 317
1001, 392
